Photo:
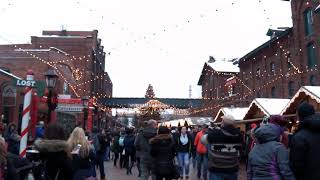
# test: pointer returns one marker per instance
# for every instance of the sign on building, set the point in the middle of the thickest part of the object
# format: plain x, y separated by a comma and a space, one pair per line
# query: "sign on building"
9, 95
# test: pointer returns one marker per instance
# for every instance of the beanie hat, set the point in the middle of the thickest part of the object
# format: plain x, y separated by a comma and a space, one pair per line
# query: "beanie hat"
163, 130
279, 120
305, 110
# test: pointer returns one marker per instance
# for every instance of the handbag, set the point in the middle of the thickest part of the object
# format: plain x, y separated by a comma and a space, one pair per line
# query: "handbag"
176, 171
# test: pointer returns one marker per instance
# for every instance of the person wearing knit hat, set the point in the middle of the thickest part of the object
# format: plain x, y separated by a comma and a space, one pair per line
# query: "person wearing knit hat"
227, 120
224, 149
305, 110
305, 146
163, 152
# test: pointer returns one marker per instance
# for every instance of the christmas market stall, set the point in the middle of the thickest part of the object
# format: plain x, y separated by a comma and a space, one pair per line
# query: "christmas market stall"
237, 113
260, 108
310, 94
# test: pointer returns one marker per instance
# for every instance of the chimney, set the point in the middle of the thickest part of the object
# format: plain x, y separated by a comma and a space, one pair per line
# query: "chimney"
211, 59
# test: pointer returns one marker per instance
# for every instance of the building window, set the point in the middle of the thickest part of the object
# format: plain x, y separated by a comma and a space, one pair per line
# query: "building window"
259, 95
231, 90
272, 68
65, 88
273, 92
289, 65
308, 21
211, 81
312, 60
258, 72
291, 88
312, 80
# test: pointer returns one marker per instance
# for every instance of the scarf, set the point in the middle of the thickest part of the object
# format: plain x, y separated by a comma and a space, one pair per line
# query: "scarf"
184, 139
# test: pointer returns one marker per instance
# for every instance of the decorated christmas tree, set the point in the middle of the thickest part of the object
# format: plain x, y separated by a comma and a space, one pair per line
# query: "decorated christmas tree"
149, 92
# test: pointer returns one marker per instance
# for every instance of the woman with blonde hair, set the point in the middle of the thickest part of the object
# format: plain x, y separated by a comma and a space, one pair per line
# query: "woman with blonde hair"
82, 154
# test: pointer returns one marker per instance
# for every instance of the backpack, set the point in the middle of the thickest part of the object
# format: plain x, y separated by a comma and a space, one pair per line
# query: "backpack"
121, 141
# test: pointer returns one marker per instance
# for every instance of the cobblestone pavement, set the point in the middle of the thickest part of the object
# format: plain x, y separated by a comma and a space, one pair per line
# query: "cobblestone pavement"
115, 173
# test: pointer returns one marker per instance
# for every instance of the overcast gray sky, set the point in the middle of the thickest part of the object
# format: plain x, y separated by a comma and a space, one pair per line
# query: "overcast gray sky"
164, 43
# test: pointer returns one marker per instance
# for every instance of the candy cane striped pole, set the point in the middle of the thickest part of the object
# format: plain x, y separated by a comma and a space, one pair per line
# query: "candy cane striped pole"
26, 116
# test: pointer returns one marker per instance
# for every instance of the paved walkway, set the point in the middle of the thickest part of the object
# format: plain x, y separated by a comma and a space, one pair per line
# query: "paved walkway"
115, 173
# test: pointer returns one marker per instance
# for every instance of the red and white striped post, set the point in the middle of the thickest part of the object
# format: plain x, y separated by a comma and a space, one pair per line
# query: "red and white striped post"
26, 116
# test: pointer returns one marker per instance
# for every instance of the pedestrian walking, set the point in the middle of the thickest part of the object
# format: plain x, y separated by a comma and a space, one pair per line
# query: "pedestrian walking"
202, 157
142, 145
269, 159
163, 153
305, 146
55, 153
101, 147
138, 153
122, 151
224, 144
82, 154
129, 149
193, 135
13, 139
183, 145
115, 148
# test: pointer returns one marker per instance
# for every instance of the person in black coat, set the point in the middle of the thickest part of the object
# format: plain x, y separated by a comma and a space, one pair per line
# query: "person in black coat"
129, 149
163, 153
305, 145
55, 153
101, 152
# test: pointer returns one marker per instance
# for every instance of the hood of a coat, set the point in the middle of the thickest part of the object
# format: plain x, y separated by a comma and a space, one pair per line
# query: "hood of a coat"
162, 139
311, 122
51, 146
149, 132
268, 132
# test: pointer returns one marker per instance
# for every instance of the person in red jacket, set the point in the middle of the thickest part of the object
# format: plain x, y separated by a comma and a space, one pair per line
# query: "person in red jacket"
202, 158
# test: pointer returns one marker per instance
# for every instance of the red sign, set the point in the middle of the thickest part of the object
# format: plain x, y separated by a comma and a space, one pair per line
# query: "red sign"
231, 82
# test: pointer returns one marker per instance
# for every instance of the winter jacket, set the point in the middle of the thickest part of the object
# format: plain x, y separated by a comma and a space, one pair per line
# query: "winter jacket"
79, 163
163, 153
224, 145
16, 168
269, 160
115, 146
54, 154
39, 132
103, 141
201, 148
129, 144
193, 138
13, 140
142, 144
180, 148
305, 148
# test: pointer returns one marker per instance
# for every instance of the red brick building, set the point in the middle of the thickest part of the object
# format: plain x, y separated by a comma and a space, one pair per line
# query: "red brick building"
279, 67
218, 81
77, 56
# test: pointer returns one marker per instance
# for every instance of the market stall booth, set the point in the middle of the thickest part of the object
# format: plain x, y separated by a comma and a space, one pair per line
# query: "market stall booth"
260, 108
309, 94
237, 113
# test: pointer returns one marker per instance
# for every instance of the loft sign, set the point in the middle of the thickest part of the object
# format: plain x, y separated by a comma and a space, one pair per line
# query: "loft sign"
25, 83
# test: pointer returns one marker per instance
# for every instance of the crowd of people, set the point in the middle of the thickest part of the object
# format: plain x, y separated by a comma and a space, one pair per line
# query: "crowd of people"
214, 152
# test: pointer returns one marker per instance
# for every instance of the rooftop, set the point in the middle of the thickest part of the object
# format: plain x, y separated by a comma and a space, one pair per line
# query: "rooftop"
312, 91
269, 106
224, 66
236, 112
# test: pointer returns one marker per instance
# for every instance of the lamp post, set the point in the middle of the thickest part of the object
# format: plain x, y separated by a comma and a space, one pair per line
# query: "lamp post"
51, 79
85, 102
